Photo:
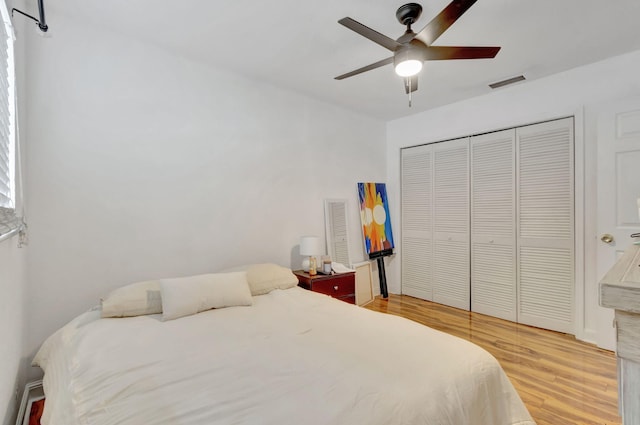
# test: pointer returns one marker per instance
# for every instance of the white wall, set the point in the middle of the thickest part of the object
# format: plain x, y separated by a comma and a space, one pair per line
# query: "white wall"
12, 325
575, 92
144, 165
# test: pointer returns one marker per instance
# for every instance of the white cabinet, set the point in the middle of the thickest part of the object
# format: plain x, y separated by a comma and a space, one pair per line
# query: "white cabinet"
620, 290
487, 224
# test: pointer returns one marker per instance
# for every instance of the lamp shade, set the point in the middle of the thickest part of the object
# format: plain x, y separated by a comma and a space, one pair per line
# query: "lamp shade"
309, 245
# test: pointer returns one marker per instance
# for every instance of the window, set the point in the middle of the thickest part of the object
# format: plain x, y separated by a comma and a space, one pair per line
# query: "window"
8, 221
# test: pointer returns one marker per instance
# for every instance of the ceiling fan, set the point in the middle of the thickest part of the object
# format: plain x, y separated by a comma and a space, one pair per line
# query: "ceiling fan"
412, 49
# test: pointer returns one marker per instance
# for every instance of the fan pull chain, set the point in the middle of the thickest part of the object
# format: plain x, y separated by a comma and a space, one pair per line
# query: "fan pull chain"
410, 92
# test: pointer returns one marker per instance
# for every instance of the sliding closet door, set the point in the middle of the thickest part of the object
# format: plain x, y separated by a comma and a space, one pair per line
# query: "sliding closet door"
493, 224
545, 234
451, 223
417, 240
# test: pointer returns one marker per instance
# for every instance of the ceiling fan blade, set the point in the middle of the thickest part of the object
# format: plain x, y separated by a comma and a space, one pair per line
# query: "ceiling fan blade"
373, 35
410, 84
459, 52
443, 21
365, 68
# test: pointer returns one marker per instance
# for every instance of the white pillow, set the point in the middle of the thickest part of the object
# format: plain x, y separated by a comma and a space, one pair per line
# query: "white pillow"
190, 295
136, 299
264, 278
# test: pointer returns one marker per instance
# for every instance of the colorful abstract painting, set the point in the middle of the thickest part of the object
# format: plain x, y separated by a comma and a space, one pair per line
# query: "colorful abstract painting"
374, 213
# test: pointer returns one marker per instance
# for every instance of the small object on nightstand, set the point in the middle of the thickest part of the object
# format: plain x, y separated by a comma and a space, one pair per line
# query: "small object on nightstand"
313, 267
326, 265
341, 286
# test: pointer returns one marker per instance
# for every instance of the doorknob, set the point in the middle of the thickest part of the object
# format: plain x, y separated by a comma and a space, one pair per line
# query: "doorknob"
606, 238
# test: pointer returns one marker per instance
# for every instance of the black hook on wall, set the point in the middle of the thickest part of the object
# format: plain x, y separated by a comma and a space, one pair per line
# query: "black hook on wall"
42, 24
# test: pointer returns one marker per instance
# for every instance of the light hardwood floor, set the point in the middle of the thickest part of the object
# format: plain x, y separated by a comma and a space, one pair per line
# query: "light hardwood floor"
561, 380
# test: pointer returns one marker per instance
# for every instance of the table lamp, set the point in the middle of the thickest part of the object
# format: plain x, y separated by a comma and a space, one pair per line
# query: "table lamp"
309, 248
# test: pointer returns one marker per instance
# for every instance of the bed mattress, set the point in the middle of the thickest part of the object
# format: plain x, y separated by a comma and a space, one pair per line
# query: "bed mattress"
293, 357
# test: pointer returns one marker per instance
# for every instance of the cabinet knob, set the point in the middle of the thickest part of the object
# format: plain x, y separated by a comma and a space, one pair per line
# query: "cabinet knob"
335, 288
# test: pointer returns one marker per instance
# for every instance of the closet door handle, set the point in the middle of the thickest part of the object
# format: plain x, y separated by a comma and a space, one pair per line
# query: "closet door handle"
606, 238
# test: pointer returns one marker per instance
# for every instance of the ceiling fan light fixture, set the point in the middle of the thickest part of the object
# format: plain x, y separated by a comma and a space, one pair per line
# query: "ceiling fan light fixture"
411, 49
409, 67
407, 62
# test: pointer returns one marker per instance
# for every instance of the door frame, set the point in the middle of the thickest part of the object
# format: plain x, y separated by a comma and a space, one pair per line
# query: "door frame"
598, 321
579, 210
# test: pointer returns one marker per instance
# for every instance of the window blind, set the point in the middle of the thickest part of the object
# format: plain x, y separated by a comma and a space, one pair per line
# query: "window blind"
6, 148
8, 221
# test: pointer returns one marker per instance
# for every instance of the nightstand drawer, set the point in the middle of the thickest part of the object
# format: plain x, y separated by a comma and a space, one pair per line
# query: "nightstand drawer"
336, 287
341, 286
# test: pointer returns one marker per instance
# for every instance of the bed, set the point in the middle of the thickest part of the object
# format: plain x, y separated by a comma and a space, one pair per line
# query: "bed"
290, 357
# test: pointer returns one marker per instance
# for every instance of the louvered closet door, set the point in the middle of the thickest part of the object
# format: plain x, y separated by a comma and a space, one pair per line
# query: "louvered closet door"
451, 223
417, 241
493, 224
545, 242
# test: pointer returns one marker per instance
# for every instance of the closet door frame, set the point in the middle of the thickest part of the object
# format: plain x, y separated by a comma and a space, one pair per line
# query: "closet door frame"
583, 161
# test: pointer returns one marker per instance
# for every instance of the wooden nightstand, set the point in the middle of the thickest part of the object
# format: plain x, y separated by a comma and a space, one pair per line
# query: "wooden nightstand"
341, 286
32, 404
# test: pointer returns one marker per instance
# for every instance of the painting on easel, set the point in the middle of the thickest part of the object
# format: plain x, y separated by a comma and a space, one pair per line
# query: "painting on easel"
376, 222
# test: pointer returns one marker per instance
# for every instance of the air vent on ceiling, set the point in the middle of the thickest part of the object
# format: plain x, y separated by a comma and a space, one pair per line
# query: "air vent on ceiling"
507, 82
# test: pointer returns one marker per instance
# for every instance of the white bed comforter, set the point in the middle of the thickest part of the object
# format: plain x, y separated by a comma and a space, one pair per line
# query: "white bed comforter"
294, 357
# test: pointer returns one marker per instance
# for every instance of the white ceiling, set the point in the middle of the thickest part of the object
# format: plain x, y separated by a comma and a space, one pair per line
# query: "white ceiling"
299, 44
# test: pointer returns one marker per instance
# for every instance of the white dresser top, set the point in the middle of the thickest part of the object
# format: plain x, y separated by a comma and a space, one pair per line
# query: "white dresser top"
620, 287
